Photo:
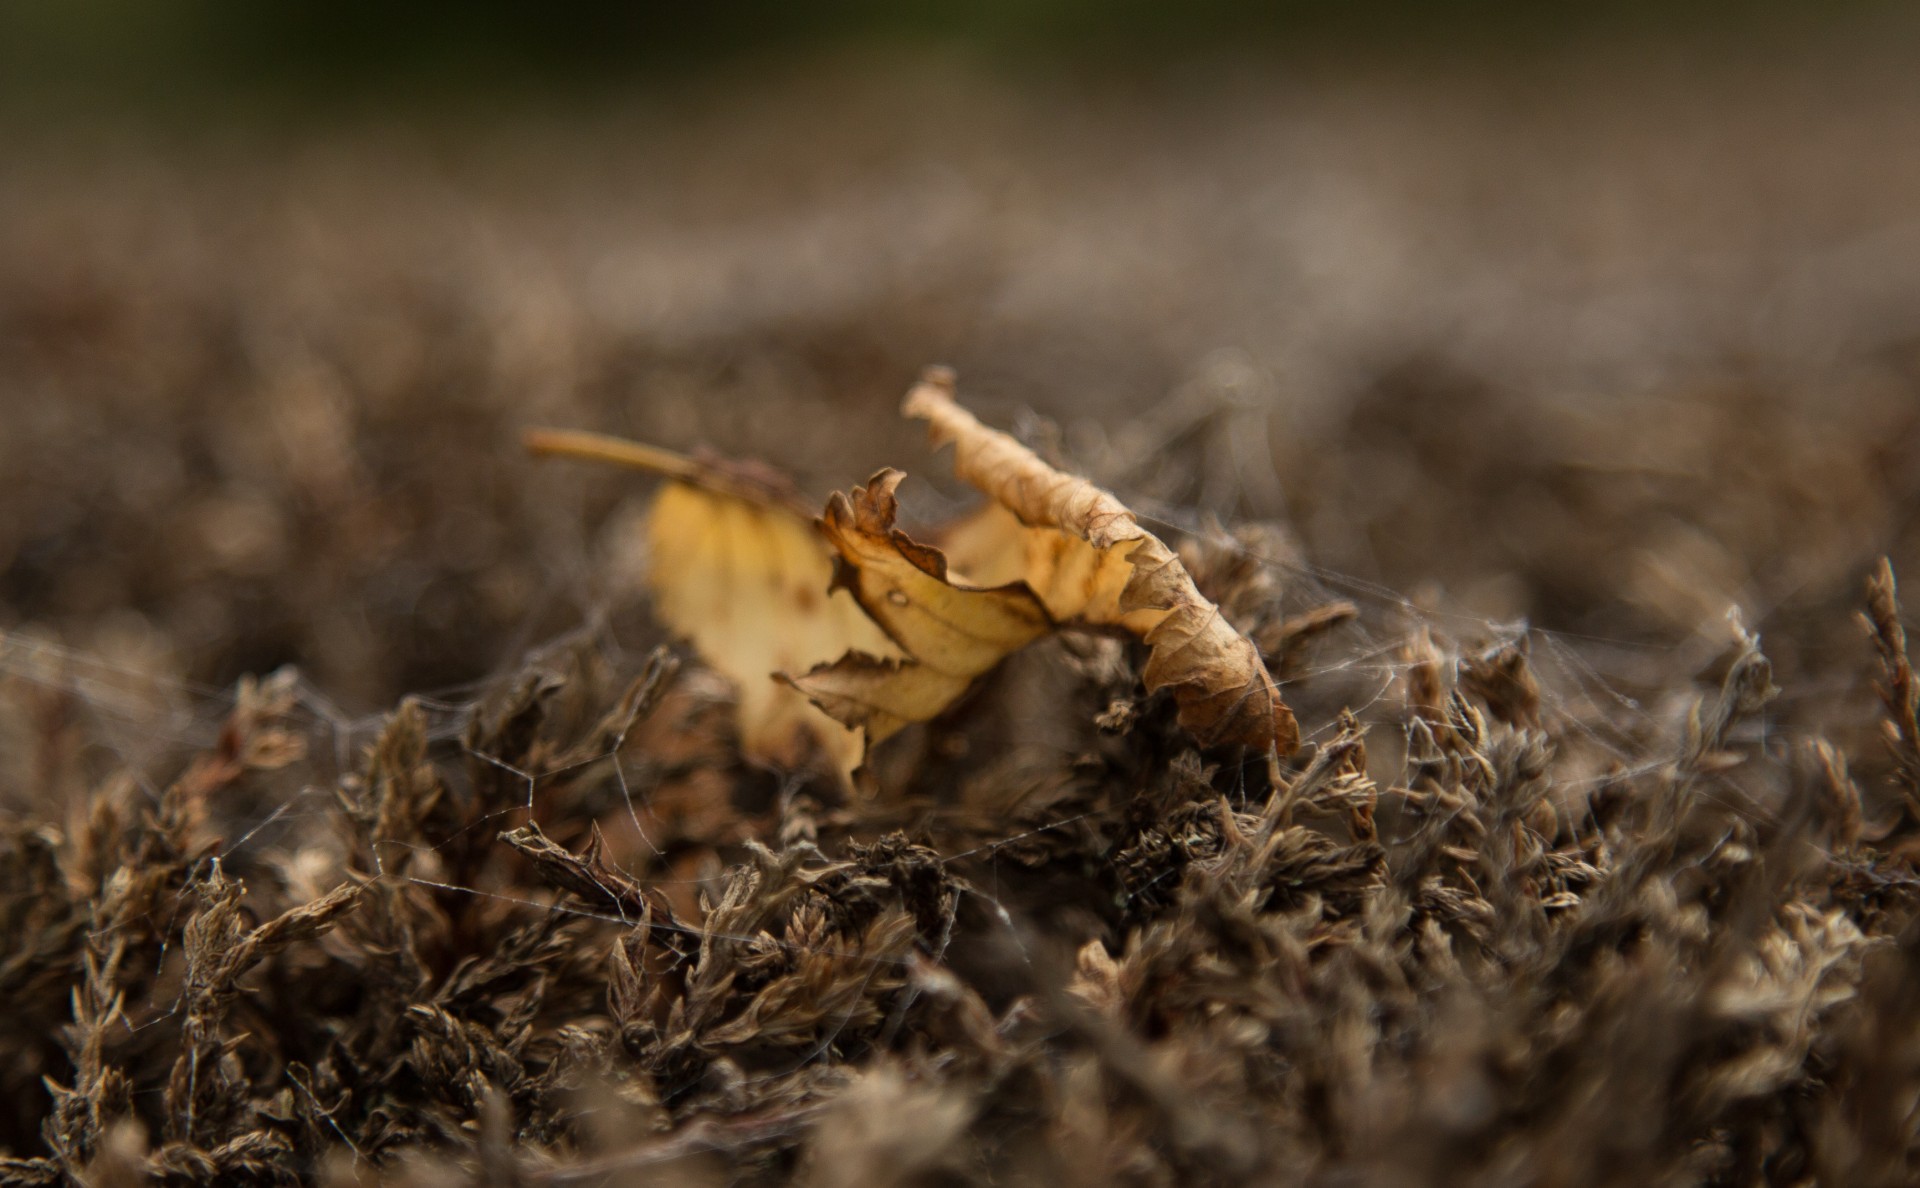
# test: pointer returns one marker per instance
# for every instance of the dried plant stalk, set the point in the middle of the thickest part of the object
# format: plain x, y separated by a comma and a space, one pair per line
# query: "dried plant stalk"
1900, 691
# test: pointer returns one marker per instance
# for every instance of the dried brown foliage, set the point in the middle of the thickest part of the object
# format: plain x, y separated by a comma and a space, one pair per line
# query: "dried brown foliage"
1688, 968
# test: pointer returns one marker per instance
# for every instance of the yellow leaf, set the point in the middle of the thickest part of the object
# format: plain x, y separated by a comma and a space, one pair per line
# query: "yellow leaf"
949, 633
1051, 548
742, 572
1075, 580
884, 630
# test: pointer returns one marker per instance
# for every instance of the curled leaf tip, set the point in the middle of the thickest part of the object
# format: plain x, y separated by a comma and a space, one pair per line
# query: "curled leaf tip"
1131, 579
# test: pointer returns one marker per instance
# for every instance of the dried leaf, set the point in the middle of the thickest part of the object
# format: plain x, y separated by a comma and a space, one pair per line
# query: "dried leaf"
762, 591
1131, 579
741, 570
952, 633
1072, 577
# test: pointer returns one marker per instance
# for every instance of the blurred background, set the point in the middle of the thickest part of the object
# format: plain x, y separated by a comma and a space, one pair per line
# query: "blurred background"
1605, 316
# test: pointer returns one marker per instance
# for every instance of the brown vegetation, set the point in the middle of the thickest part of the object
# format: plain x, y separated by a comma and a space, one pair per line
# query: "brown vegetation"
1574, 878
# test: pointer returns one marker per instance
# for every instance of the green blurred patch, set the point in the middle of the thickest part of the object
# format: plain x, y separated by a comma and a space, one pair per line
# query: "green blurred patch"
316, 48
